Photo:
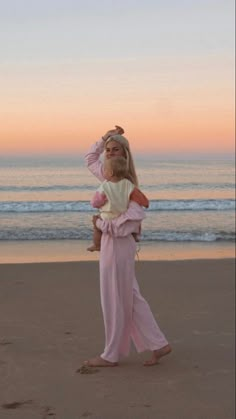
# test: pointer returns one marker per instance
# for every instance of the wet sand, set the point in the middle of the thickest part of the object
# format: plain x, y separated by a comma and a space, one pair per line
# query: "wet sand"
37, 251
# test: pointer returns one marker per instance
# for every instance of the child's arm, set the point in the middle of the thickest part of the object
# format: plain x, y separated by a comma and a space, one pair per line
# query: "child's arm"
139, 197
98, 200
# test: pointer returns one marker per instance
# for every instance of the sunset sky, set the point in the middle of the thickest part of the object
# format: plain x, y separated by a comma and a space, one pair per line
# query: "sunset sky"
72, 69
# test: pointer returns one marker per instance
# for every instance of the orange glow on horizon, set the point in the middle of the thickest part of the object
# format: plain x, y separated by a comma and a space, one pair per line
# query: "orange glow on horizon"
190, 120
58, 133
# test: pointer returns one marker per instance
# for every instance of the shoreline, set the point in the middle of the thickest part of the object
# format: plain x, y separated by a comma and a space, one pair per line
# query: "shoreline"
149, 263
76, 250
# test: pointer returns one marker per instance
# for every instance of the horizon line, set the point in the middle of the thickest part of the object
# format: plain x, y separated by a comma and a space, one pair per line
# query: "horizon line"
180, 155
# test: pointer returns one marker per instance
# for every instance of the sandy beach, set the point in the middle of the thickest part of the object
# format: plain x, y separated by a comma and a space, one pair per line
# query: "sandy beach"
50, 321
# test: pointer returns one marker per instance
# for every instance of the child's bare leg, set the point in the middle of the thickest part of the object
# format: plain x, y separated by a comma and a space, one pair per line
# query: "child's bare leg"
97, 235
136, 237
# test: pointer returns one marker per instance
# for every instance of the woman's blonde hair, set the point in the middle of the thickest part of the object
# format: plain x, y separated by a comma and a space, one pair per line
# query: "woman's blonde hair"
131, 172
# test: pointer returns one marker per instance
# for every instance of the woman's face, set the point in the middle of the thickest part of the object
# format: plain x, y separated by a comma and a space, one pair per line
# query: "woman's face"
114, 149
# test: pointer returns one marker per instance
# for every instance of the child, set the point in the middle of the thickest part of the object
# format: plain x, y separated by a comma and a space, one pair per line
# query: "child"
112, 197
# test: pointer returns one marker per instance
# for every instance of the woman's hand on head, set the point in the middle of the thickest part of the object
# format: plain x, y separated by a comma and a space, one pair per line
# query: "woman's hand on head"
115, 131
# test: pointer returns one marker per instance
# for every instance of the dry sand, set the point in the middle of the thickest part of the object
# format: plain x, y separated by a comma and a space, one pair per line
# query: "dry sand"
50, 321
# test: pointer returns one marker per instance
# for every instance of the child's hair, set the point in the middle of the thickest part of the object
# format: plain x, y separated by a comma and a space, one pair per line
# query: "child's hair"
118, 165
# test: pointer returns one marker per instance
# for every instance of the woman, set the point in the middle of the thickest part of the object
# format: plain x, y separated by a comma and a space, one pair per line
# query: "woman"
126, 313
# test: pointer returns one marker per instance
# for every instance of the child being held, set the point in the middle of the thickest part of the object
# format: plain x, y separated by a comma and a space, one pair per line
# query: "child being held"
113, 196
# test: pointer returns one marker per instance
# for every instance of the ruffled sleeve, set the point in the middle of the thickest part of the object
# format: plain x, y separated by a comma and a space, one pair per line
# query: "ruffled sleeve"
139, 197
99, 199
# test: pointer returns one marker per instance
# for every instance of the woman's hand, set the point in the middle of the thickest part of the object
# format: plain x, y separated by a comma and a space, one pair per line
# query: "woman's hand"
115, 131
94, 219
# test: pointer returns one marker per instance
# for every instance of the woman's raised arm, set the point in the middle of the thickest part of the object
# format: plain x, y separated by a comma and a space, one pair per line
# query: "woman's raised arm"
92, 158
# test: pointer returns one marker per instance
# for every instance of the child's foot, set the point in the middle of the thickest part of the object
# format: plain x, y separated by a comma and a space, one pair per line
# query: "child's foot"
93, 248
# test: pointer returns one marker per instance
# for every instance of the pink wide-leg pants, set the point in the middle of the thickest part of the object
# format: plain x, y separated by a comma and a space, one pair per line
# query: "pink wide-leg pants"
127, 315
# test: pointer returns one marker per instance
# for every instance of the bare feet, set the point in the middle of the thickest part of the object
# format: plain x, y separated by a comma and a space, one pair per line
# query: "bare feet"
99, 362
93, 248
157, 355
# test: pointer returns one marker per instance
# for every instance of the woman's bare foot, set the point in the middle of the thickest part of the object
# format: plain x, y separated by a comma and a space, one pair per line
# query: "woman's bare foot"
156, 355
93, 248
99, 362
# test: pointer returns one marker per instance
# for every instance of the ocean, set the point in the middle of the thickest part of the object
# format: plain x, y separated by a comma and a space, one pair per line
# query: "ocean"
48, 199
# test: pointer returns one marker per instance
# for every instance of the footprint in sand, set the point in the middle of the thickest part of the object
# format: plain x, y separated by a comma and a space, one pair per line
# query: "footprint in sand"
16, 405
87, 370
48, 412
3, 343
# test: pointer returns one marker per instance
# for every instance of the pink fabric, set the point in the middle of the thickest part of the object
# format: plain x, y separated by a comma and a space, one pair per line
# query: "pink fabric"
92, 159
98, 200
127, 315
